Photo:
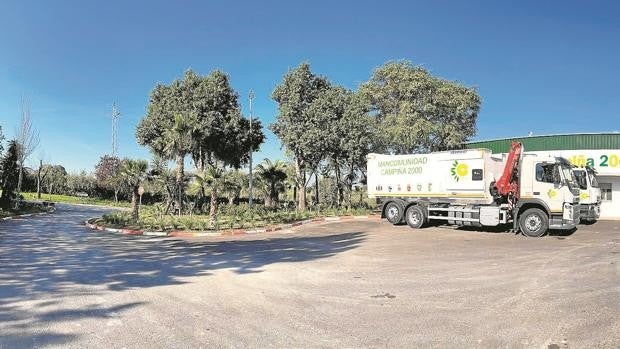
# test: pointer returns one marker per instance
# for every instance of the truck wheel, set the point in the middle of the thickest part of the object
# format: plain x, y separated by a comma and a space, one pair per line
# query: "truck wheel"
393, 213
534, 222
415, 217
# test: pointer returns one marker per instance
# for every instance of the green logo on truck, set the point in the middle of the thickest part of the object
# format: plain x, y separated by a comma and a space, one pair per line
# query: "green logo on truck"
459, 170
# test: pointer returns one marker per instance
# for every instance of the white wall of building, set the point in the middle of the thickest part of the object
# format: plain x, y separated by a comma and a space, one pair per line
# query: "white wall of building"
611, 209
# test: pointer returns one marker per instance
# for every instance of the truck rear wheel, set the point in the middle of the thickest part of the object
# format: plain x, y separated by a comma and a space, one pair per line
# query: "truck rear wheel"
393, 213
415, 217
534, 222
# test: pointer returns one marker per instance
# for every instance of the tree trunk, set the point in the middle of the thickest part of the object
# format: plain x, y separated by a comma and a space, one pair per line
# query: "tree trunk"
273, 196
268, 201
338, 191
134, 203
115, 195
20, 177
213, 208
301, 185
316, 187
39, 179
179, 182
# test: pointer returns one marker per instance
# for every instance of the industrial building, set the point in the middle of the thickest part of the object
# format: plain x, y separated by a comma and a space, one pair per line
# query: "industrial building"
600, 151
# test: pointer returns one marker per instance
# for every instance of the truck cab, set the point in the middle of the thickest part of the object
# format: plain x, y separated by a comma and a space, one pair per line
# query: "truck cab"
549, 184
589, 193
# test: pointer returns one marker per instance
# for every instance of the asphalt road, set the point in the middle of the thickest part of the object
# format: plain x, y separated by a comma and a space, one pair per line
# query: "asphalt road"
351, 284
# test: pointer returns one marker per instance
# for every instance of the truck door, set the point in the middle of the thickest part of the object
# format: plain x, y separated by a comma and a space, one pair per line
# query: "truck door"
547, 186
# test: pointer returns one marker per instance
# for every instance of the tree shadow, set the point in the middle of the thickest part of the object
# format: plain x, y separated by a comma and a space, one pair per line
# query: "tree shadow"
21, 329
54, 256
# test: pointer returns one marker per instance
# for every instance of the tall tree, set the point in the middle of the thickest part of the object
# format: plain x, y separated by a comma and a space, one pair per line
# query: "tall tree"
216, 179
9, 174
202, 116
418, 112
56, 179
27, 139
163, 180
1, 141
42, 172
299, 131
134, 172
176, 143
273, 174
107, 173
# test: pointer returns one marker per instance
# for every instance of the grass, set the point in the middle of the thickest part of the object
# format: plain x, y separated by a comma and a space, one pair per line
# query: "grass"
75, 200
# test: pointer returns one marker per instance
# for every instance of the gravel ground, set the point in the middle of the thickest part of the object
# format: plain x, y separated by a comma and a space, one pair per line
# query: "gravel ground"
348, 284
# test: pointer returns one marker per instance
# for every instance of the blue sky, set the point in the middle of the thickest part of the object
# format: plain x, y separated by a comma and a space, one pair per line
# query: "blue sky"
540, 66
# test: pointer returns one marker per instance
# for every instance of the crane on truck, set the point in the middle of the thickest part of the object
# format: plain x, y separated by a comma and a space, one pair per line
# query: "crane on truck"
474, 187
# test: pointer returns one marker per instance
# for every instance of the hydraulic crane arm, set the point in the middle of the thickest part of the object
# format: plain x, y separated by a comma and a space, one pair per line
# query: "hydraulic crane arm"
508, 184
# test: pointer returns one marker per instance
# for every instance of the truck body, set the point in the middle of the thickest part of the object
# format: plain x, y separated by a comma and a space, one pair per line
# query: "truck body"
589, 193
473, 187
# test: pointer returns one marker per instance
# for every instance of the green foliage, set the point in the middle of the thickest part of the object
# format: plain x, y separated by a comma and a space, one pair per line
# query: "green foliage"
418, 112
81, 183
55, 181
298, 129
271, 177
107, 174
9, 175
198, 115
133, 173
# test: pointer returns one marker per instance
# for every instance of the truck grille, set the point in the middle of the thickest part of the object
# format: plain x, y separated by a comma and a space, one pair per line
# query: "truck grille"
576, 211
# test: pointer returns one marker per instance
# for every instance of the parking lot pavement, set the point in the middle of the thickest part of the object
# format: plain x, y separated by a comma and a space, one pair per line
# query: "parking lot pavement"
350, 284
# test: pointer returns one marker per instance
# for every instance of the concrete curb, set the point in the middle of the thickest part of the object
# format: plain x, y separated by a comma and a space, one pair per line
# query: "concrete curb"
229, 232
23, 216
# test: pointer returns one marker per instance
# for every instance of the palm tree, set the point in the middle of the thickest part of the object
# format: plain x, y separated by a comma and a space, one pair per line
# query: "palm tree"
134, 172
216, 179
235, 183
175, 144
273, 174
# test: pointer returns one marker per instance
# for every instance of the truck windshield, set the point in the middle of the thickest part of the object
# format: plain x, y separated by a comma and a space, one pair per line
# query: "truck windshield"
569, 175
582, 180
592, 176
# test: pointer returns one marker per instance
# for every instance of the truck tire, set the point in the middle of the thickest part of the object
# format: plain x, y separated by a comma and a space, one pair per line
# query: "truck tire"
393, 213
415, 217
534, 222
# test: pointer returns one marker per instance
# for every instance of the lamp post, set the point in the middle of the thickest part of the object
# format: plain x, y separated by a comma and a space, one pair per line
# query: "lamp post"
250, 138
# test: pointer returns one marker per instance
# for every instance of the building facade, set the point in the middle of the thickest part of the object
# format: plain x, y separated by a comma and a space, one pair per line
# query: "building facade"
600, 151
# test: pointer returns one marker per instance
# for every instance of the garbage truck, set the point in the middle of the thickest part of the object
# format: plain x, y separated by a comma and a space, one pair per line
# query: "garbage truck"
474, 187
589, 193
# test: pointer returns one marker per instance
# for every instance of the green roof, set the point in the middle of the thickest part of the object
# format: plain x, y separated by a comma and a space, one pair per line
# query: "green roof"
553, 142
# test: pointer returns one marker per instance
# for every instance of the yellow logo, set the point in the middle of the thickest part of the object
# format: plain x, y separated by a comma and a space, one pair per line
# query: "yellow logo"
459, 170
552, 193
584, 195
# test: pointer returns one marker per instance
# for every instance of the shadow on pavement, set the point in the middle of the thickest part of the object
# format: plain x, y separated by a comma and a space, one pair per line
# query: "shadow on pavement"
54, 256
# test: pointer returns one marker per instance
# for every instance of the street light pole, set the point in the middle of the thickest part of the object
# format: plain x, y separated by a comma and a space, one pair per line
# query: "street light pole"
250, 138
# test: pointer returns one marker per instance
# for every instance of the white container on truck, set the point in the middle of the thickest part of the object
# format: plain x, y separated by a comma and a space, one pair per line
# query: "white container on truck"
475, 188
589, 193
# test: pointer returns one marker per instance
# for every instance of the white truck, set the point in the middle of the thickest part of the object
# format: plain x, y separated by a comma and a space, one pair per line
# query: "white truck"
475, 188
589, 193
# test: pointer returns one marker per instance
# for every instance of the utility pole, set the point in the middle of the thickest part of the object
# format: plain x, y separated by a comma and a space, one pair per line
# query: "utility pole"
250, 138
115, 116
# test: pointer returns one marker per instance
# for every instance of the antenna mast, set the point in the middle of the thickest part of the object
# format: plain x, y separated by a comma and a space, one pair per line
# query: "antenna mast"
115, 116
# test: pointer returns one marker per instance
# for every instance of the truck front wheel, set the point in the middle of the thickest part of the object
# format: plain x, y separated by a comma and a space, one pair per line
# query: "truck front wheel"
415, 217
393, 213
534, 222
